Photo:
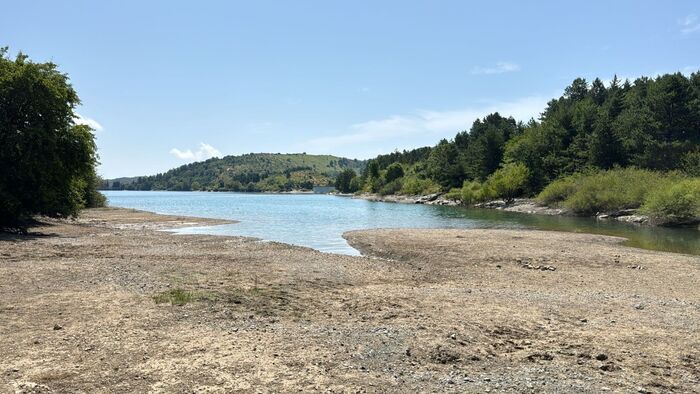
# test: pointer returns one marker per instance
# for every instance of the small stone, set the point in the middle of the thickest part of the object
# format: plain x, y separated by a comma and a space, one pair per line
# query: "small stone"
583, 320
639, 307
408, 352
57, 327
601, 357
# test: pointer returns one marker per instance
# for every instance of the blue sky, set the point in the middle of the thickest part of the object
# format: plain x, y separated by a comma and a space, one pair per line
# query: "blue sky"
168, 82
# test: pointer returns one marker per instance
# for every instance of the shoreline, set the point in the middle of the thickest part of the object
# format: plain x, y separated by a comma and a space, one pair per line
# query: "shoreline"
528, 206
110, 303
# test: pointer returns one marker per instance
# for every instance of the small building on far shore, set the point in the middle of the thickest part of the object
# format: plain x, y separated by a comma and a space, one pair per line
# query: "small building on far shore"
323, 189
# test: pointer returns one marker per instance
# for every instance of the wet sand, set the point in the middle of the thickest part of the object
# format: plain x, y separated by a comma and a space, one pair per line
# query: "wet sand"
88, 306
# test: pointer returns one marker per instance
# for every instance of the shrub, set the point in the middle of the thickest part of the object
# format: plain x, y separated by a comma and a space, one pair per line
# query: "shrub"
392, 187
679, 202
508, 181
471, 192
393, 172
616, 189
414, 186
558, 191
691, 163
454, 194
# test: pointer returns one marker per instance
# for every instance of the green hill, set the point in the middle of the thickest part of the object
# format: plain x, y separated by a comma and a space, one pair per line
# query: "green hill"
249, 172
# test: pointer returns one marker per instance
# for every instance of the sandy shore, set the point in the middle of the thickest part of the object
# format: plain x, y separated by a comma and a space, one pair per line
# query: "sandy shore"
82, 310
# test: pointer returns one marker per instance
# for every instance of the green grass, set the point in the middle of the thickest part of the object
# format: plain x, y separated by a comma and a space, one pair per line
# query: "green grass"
177, 297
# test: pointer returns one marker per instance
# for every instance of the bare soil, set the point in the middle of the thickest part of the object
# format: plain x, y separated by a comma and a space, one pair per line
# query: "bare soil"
81, 310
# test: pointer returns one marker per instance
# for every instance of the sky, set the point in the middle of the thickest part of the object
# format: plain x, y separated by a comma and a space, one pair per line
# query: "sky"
164, 83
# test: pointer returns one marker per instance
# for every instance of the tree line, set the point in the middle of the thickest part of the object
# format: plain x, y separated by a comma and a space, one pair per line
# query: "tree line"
47, 161
648, 123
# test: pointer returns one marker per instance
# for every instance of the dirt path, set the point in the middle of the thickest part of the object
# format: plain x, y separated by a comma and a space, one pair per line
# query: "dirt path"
88, 307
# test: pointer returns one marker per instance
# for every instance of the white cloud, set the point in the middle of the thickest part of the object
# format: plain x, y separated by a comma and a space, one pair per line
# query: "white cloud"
689, 24
427, 123
79, 119
499, 68
204, 152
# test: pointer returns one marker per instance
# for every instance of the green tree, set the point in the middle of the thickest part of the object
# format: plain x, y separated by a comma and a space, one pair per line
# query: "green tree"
344, 180
48, 162
443, 165
393, 172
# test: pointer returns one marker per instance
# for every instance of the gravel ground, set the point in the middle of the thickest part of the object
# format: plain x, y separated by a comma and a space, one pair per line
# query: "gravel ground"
423, 311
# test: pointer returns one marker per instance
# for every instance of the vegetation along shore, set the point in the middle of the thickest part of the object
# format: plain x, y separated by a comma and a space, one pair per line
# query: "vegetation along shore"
630, 148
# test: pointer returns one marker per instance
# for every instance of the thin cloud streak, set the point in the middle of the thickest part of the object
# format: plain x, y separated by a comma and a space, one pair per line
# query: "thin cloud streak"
84, 120
435, 124
499, 68
689, 24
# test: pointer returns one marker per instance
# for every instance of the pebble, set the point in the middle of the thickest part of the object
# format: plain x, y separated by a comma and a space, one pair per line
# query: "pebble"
57, 327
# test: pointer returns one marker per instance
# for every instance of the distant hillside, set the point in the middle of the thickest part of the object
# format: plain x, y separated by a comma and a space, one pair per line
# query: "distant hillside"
249, 172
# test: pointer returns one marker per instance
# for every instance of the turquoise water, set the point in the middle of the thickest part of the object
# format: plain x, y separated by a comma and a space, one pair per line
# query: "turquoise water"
318, 221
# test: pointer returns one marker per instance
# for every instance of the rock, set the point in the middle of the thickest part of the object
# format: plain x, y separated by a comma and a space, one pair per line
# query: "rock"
609, 367
540, 356
639, 219
639, 307
57, 327
601, 357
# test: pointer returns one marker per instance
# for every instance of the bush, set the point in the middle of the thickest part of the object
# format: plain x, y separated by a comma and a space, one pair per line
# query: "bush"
616, 189
471, 192
558, 191
414, 186
613, 190
508, 181
677, 203
392, 187
691, 163
393, 172
454, 194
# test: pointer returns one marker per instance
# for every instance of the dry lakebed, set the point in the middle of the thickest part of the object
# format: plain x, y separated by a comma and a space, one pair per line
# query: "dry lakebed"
109, 303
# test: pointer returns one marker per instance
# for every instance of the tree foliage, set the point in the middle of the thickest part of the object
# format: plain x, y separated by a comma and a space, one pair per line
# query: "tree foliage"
47, 160
650, 123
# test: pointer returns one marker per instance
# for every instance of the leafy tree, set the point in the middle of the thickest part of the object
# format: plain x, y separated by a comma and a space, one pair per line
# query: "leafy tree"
48, 162
443, 165
393, 172
344, 180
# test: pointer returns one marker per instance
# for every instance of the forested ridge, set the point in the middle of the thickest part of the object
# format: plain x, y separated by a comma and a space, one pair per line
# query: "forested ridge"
252, 172
649, 125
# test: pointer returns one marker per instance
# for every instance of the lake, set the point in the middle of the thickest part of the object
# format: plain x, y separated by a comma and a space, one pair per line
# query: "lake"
318, 221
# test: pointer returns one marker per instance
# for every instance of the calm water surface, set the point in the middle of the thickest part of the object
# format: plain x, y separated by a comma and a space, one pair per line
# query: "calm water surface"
318, 221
